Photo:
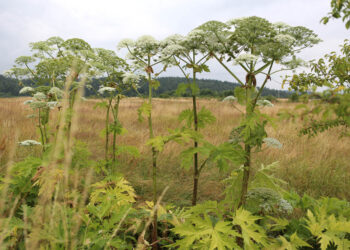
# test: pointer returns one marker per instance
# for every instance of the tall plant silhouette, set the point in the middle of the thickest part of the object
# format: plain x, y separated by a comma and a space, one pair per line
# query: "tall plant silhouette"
255, 46
146, 54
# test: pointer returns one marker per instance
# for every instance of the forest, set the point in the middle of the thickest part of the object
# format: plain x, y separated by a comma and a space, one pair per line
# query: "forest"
9, 87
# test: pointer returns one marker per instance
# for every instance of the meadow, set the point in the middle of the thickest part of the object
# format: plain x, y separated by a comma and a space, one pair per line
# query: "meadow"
117, 172
317, 166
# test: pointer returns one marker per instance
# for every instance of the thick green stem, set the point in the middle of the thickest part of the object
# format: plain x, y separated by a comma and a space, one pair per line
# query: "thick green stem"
41, 130
195, 155
246, 175
115, 116
107, 131
154, 157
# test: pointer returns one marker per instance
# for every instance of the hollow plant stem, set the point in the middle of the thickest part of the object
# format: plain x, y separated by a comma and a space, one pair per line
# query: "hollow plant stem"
115, 112
154, 155
195, 155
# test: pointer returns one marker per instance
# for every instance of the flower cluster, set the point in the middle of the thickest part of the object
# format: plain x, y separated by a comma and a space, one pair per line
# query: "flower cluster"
40, 96
130, 78
264, 103
29, 143
285, 39
56, 91
272, 142
104, 90
26, 90
229, 98
246, 58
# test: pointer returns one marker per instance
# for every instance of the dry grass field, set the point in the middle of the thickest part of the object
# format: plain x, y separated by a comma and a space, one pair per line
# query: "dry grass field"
318, 166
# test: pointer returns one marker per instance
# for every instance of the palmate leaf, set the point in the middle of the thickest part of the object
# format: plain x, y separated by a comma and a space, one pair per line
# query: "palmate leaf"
253, 235
144, 111
328, 229
201, 232
295, 243
181, 89
264, 178
204, 117
177, 135
110, 194
227, 153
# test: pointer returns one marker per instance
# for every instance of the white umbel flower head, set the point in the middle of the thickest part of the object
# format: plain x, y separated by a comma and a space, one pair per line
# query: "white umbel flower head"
51, 105
27, 102
272, 142
246, 58
26, 90
56, 91
229, 98
104, 90
39, 96
264, 103
38, 105
29, 143
285, 39
281, 25
146, 41
172, 49
196, 34
125, 43
130, 78
173, 39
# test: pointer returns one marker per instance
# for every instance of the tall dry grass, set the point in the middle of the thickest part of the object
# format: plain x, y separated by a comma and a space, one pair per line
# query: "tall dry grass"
318, 166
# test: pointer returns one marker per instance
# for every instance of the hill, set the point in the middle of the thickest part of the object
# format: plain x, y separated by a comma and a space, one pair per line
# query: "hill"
10, 87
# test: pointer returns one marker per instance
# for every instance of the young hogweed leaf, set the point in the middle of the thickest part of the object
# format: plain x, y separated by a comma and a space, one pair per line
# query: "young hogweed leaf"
253, 235
327, 228
225, 153
187, 116
194, 89
155, 84
110, 195
295, 243
240, 95
205, 231
187, 155
205, 68
144, 110
118, 128
205, 117
157, 142
181, 89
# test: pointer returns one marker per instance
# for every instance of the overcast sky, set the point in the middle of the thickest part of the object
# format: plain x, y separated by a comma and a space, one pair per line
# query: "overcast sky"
103, 23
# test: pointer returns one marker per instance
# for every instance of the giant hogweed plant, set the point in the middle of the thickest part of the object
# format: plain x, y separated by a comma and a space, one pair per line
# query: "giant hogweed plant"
48, 69
114, 82
255, 46
146, 54
188, 55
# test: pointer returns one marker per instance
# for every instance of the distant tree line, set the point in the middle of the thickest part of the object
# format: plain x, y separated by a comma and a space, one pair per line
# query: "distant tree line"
10, 87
